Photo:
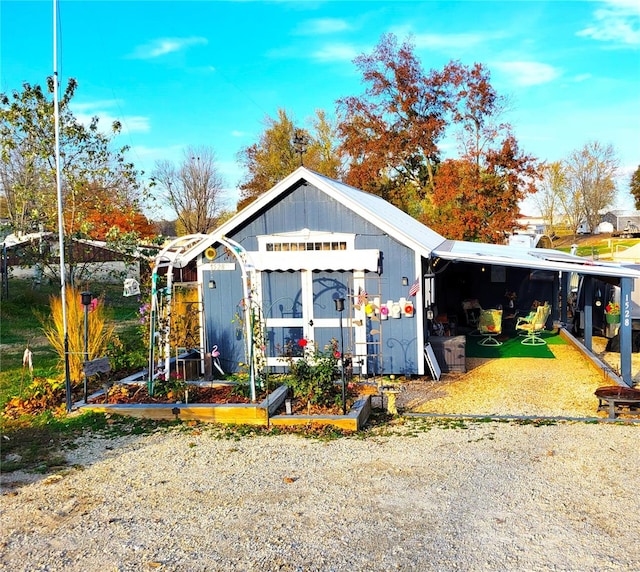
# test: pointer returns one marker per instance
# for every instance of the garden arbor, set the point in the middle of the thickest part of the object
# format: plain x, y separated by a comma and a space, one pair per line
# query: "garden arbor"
171, 263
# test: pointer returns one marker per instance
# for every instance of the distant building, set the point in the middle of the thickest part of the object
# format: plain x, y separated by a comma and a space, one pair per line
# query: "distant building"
531, 224
622, 219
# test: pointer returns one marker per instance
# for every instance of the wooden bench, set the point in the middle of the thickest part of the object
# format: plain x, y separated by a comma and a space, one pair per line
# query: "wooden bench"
616, 398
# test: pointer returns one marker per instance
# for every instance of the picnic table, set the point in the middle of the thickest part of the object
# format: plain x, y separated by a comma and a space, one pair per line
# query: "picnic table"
617, 397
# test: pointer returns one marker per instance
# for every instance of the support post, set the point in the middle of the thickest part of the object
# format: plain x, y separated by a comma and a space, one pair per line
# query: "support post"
339, 302
564, 298
588, 312
626, 284
85, 298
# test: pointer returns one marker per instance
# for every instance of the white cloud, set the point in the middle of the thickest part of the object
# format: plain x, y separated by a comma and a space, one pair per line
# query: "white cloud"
628, 6
335, 52
446, 42
235, 133
617, 22
528, 73
321, 26
163, 46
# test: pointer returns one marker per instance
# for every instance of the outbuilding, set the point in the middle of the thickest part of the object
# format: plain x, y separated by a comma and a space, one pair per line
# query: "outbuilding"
316, 260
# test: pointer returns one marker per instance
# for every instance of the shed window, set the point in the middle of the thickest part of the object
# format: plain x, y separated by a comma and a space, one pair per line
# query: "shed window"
301, 246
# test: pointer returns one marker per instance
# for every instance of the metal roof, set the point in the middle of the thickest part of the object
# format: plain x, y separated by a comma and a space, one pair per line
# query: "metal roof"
404, 228
534, 258
383, 214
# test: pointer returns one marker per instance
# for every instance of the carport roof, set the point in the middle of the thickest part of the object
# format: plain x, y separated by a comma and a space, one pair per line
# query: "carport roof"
533, 258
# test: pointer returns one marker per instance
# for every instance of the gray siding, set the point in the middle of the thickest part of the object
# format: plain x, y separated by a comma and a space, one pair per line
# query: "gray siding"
307, 207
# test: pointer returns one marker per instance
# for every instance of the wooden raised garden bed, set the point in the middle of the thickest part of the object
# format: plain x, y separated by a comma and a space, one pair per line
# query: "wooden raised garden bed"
231, 413
262, 413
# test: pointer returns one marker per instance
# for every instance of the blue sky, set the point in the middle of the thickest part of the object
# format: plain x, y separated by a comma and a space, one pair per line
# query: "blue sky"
181, 73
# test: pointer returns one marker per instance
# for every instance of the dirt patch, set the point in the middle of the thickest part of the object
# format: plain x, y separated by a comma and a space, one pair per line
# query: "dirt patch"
301, 407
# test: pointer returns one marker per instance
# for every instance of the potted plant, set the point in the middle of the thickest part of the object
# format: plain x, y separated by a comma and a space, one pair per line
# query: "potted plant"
612, 313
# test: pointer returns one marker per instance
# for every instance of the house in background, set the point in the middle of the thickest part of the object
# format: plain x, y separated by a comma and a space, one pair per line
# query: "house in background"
531, 224
622, 220
311, 241
36, 256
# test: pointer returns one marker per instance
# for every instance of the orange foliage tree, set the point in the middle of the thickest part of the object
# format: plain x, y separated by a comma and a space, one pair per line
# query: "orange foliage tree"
478, 200
103, 212
392, 138
391, 133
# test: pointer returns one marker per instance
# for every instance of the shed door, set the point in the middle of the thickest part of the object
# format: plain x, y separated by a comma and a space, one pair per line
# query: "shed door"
299, 305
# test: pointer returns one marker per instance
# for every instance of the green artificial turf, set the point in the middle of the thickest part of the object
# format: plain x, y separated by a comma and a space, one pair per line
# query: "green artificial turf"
512, 347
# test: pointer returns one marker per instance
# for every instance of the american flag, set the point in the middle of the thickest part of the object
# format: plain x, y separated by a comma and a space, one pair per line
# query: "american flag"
415, 287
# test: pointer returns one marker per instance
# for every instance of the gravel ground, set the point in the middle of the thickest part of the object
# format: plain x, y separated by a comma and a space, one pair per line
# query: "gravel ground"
420, 496
560, 387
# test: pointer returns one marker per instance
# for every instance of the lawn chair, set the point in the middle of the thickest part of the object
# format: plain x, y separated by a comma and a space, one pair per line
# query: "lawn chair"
490, 326
533, 325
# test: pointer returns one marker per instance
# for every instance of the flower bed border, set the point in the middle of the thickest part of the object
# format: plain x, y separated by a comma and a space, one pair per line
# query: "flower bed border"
354, 420
261, 413
230, 413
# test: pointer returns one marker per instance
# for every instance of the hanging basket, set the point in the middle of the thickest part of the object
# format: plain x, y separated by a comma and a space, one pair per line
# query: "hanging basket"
612, 318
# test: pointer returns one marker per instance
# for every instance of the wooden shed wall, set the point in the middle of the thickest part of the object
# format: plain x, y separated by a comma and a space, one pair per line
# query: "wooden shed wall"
307, 207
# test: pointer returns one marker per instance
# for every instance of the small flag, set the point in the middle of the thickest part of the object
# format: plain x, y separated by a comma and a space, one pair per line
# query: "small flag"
362, 296
415, 287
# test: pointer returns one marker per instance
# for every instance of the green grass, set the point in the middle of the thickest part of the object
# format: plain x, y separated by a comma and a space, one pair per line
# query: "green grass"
20, 328
18, 323
600, 246
36, 443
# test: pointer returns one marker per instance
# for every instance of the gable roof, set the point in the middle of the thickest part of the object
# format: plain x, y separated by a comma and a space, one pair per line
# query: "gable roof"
390, 219
619, 213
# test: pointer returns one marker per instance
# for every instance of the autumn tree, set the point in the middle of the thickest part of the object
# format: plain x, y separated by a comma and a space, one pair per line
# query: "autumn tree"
480, 201
392, 137
194, 189
391, 133
634, 187
108, 215
571, 204
591, 173
98, 183
282, 148
496, 174
551, 187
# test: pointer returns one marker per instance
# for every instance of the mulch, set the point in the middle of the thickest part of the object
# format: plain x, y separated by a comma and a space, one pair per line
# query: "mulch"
124, 394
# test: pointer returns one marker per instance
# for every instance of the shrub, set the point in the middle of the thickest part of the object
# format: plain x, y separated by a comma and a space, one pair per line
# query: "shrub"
312, 377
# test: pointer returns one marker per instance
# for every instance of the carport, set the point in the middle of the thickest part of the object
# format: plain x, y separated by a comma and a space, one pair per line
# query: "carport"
560, 267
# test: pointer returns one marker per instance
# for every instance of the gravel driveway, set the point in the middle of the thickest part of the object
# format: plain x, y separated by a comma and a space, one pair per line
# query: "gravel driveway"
422, 496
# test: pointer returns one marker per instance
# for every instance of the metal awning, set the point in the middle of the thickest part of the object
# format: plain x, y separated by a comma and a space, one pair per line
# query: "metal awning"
533, 258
